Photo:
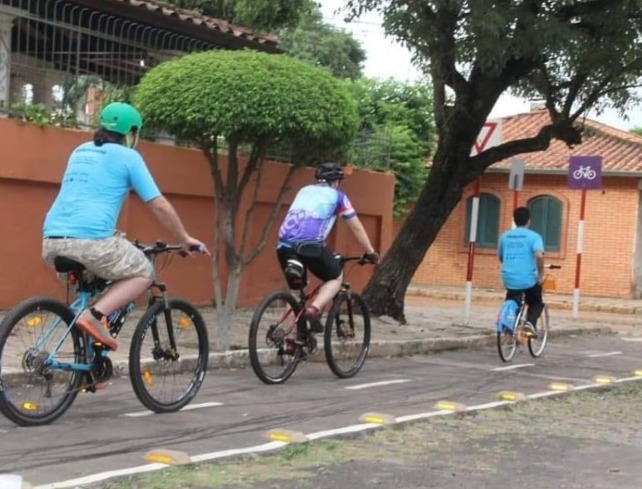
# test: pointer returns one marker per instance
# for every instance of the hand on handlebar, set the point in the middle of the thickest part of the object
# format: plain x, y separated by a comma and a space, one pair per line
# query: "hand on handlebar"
193, 246
371, 258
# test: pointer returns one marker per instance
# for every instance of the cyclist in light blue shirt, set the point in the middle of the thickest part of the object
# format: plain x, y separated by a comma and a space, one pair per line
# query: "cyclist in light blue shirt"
521, 252
81, 223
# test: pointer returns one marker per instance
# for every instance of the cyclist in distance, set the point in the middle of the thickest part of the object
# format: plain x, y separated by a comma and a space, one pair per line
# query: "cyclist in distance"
302, 237
81, 223
521, 253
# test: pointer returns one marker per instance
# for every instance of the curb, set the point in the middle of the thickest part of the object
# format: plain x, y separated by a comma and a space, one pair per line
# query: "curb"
552, 303
378, 349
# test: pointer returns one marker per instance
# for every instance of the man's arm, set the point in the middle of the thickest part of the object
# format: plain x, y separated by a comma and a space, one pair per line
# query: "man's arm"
539, 257
166, 214
359, 232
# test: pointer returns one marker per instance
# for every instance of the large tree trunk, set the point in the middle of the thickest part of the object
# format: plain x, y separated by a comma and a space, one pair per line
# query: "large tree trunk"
443, 190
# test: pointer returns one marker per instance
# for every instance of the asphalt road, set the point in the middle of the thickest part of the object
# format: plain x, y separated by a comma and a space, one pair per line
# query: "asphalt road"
99, 432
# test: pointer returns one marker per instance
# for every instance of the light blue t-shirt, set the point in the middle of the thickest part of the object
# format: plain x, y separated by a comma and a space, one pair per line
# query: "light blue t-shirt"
313, 213
517, 249
94, 187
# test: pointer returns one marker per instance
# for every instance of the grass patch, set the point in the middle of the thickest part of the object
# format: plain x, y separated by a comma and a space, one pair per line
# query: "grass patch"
480, 442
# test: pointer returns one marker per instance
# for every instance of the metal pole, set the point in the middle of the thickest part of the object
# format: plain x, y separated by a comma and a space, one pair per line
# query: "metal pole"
474, 216
578, 262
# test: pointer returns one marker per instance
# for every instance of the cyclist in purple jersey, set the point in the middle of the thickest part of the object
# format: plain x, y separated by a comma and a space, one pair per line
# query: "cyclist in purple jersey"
303, 233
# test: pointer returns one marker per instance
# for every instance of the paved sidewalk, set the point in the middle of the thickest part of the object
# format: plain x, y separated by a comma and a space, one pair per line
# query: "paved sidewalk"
555, 301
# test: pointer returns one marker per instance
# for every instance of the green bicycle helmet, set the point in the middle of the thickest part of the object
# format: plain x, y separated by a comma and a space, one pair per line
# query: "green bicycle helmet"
120, 118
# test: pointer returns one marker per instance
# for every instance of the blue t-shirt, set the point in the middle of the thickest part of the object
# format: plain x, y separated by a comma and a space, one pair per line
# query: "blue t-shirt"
517, 249
94, 187
313, 213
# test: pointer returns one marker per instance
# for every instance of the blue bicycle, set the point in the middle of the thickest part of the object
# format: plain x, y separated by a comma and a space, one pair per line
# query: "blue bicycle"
41, 376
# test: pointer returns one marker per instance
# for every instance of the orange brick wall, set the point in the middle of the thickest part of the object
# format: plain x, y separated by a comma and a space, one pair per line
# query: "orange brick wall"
609, 242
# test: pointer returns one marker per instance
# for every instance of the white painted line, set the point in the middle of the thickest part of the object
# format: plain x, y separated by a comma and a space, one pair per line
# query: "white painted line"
635, 339
513, 367
376, 384
90, 479
189, 407
609, 354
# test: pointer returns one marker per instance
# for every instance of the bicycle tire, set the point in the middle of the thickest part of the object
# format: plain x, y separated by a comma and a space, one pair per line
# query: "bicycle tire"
542, 335
9, 322
136, 375
253, 349
333, 323
506, 357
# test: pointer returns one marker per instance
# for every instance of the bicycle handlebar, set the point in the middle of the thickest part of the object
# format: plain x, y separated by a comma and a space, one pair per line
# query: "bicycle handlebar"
361, 260
162, 247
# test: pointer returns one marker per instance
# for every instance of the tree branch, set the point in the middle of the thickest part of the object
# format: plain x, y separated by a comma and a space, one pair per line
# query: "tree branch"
250, 208
562, 130
258, 150
270, 222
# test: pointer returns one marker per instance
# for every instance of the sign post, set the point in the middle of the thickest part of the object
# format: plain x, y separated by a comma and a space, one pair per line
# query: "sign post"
516, 181
489, 136
584, 173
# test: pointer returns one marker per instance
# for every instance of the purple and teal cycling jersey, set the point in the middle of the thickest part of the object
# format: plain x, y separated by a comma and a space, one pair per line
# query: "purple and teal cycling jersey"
313, 213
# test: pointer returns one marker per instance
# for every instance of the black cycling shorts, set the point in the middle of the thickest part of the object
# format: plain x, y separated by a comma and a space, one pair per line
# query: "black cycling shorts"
325, 267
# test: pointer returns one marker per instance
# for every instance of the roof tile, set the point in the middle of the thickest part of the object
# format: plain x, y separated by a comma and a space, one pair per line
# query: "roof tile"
621, 150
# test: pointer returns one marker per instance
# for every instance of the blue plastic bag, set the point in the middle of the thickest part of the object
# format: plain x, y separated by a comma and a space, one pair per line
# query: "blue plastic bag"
506, 316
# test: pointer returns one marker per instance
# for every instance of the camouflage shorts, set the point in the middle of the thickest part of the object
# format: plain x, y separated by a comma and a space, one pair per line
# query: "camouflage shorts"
113, 258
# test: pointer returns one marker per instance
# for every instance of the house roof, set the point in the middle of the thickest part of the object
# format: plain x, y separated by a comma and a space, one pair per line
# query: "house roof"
621, 150
196, 18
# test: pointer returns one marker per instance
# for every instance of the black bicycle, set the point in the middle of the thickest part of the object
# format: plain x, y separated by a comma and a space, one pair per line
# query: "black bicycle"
286, 340
41, 375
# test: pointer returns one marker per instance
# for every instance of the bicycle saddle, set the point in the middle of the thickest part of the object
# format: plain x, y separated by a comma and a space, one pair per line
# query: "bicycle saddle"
67, 265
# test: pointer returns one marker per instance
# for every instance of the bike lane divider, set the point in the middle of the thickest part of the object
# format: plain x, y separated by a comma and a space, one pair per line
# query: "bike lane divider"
606, 354
376, 420
376, 384
512, 367
189, 407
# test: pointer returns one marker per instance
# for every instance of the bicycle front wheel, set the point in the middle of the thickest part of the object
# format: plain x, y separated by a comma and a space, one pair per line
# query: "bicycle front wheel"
536, 345
39, 362
347, 335
168, 356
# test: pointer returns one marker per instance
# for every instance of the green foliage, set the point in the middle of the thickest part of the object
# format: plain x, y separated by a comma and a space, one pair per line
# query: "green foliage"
323, 45
261, 15
248, 98
397, 134
39, 114
636, 130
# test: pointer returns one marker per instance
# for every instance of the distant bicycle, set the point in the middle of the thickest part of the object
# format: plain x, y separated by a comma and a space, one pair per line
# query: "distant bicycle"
286, 340
41, 375
510, 337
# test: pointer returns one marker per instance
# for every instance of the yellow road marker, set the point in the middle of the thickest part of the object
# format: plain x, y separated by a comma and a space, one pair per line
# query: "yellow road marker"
34, 321
603, 379
377, 418
450, 406
167, 457
30, 406
560, 386
637, 373
511, 396
287, 436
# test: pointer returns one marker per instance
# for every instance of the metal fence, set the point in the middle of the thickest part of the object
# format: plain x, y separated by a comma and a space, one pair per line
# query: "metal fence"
54, 51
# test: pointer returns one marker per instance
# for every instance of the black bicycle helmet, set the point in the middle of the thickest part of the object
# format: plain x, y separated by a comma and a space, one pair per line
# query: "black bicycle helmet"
329, 172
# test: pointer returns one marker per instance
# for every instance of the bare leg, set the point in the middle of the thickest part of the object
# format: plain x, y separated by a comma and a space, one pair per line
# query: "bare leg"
327, 292
122, 293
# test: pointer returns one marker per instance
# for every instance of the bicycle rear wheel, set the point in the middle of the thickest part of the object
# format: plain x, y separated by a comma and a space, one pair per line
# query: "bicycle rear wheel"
507, 341
34, 392
536, 345
274, 353
347, 335
166, 379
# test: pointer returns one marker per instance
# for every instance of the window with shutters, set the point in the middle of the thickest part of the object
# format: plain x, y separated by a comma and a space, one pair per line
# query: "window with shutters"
487, 222
546, 219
